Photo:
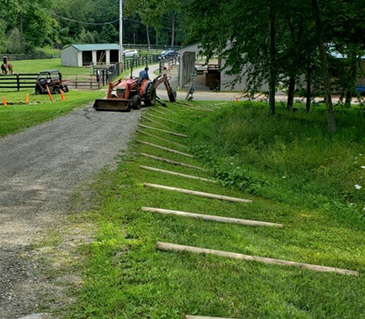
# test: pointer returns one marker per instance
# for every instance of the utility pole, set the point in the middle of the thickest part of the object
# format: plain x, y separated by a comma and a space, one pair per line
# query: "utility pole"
121, 31
173, 33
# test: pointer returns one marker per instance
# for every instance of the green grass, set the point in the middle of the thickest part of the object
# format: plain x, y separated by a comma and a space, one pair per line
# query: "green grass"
14, 118
36, 66
50, 50
125, 276
289, 158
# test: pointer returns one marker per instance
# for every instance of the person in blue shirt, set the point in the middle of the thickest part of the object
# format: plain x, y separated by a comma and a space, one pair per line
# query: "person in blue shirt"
143, 75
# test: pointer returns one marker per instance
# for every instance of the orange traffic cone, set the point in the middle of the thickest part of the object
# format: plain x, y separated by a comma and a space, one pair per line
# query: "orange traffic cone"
4, 101
62, 95
26, 98
49, 93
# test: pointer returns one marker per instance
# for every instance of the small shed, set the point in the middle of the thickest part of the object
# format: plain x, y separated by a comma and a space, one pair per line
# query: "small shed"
215, 76
187, 63
79, 55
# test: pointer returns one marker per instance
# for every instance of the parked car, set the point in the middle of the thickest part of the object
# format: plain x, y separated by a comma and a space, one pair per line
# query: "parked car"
52, 79
130, 54
168, 54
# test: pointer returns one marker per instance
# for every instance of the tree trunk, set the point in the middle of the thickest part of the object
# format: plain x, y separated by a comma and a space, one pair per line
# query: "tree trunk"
156, 39
331, 121
352, 82
291, 93
309, 89
272, 71
148, 36
173, 34
21, 32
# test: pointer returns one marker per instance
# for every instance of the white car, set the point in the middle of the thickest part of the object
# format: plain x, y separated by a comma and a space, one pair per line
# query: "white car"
130, 54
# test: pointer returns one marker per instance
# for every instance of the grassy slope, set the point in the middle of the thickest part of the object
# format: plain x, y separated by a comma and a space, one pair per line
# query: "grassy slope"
290, 158
126, 277
14, 118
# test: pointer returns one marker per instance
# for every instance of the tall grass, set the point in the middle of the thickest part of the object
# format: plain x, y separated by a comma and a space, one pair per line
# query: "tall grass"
290, 157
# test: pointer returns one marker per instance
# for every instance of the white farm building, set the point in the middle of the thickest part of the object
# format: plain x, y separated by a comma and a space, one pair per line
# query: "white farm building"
84, 54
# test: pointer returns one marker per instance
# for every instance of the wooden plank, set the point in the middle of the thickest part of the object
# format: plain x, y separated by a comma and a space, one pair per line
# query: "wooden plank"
194, 107
149, 168
153, 121
219, 219
164, 119
161, 159
164, 131
201, 194
265, 260
165, 110
165, 148
161, 139
154, 109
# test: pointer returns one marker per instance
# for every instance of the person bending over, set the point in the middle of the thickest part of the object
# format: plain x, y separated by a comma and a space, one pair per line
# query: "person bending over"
143, 75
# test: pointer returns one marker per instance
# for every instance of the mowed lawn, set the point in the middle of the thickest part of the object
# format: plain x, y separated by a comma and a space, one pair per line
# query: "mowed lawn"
14, 118
126, 276
18, 116
36, 66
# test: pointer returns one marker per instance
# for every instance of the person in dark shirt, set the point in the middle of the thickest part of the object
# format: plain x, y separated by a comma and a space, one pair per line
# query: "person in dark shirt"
143, 75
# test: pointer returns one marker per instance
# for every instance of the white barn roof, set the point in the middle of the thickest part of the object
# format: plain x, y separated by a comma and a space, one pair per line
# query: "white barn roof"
94, 47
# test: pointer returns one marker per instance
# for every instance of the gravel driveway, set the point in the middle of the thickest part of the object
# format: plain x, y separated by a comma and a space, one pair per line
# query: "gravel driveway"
39, 170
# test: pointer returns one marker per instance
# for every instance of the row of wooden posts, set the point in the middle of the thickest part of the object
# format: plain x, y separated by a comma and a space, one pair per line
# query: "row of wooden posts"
182, 248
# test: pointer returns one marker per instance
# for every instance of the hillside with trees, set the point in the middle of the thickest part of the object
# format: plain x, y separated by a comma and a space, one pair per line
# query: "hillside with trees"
34, 24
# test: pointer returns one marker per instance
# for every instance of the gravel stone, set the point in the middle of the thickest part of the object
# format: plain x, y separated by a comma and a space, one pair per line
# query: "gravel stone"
40, 169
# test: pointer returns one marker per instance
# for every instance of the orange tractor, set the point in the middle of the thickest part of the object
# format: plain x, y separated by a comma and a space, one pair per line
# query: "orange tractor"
129, 94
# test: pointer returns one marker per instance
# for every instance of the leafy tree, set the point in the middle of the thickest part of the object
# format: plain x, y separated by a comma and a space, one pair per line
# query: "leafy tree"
29, 17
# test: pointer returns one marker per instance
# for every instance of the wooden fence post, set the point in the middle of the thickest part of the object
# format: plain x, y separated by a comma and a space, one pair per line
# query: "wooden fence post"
18, 82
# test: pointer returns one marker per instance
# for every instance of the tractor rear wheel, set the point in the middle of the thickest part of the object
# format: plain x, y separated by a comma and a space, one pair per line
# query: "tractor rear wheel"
150, 96
136, 102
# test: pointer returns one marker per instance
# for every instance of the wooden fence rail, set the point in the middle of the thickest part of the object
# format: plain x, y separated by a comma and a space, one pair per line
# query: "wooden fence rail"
18, 81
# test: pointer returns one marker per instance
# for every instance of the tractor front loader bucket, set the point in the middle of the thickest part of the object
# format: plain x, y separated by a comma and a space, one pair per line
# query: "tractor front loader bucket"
121, 105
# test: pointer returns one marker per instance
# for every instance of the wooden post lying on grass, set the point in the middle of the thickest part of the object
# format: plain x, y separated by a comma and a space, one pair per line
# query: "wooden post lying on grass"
165, 148
201, 194
161, 159
265, 260
194, 107
164, 119
153, 169
160, 138
165, 109
157, 129
153, 121
219, 219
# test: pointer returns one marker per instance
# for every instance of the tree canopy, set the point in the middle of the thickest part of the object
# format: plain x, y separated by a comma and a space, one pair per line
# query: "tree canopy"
30, 24
281, 44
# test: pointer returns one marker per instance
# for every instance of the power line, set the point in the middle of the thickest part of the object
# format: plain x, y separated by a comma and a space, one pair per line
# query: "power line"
94, 23
72, 20
132, 20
